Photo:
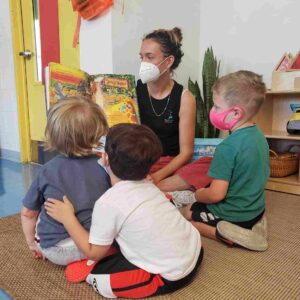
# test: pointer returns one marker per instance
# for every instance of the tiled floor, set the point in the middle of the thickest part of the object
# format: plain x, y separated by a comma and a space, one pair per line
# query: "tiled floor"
15, 179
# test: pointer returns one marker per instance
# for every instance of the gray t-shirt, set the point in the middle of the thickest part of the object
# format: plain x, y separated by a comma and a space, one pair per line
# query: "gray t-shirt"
81, 179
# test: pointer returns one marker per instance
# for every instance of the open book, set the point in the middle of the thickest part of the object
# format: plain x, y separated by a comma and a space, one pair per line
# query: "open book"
115, 93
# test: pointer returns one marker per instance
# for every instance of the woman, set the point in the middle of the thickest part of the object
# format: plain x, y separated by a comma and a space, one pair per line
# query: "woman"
166, 107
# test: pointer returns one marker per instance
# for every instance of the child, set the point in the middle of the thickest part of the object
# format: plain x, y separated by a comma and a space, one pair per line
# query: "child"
234, 203
159, 250
74, 128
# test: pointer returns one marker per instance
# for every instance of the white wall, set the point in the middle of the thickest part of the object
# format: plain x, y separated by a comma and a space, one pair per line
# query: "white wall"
96, 55
127, 30
142, 17
244, 34
250, 34
9, 132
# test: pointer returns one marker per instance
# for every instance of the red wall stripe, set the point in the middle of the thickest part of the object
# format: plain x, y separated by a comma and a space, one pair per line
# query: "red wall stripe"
49, 27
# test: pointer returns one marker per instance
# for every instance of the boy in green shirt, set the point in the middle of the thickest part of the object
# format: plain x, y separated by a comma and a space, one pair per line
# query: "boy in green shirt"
232, 208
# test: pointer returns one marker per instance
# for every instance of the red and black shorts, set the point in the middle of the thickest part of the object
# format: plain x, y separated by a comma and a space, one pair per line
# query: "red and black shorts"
200, 213
114, 276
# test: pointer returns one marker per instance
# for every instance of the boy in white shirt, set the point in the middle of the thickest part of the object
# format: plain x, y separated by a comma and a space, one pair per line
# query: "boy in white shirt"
160, 251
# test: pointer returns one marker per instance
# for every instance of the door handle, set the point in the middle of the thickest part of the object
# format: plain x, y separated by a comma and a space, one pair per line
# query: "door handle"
26, 54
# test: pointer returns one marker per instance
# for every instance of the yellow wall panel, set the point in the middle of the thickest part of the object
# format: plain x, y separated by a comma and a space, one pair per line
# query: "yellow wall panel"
69, 56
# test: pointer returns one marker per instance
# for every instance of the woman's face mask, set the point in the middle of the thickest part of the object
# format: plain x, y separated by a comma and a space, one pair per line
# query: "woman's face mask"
150, 72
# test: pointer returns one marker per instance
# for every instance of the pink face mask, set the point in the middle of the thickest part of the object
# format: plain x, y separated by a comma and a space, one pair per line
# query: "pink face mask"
217, 119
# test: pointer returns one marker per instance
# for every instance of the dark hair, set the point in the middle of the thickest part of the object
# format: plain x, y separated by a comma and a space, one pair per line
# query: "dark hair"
170, 42
132, 149
74, 126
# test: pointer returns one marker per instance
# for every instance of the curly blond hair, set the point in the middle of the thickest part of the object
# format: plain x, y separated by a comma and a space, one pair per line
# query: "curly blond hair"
74, 126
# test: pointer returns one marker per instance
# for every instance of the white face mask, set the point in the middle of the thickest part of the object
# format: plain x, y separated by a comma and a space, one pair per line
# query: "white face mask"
150, 72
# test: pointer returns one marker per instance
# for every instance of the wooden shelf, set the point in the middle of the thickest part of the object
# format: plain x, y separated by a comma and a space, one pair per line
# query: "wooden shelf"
282, 135
291, 92
292, 179
272, 119
289, 184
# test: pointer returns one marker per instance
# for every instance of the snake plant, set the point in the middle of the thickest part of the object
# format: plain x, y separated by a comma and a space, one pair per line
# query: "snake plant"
204, 101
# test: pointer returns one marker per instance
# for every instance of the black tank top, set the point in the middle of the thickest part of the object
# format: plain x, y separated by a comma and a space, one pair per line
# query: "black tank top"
162, 116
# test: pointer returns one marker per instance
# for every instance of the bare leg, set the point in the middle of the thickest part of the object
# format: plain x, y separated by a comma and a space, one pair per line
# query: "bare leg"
205, 230
186, 212
173, 183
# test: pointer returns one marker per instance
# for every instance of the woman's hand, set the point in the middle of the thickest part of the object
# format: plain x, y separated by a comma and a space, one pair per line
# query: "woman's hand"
60, 210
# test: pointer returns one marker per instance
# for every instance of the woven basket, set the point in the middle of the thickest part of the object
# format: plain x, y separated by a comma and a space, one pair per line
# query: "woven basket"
283, 164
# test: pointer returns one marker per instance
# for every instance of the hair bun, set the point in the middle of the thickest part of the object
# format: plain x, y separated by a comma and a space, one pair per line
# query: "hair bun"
177, 34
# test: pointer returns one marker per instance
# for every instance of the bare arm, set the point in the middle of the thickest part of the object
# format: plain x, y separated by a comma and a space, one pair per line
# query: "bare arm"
63, 212
216, 192
187, 119
28, 220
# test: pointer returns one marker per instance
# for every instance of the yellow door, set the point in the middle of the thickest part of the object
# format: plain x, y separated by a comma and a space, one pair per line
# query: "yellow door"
32, 58
27, 57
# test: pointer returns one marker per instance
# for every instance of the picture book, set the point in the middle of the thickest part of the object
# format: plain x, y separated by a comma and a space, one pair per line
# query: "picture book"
114, 93
296, 62
284, 63
205, 147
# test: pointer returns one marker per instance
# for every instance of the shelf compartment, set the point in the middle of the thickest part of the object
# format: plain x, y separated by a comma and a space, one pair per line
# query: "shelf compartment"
276, 112
282, 135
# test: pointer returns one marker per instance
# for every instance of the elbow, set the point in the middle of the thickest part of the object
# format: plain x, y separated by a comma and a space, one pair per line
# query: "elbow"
216, 197
188, 154
93, 257
28, 213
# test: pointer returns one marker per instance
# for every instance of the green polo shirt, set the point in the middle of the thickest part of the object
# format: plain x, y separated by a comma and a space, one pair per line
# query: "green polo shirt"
243, 160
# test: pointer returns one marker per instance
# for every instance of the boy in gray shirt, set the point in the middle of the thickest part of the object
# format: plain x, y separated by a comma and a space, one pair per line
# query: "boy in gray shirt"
74, 128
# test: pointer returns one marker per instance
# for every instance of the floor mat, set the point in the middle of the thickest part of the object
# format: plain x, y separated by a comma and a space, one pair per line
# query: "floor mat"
226, 273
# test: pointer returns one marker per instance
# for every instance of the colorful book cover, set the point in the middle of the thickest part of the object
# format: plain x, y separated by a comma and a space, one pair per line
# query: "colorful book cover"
296, 62
284, 63
114, 93
62, 81
205, 147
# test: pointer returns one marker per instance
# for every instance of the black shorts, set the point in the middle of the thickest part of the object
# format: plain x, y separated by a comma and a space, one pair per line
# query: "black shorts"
114, 276
200, 213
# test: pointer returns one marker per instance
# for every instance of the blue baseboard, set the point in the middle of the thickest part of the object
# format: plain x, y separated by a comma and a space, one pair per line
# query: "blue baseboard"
3, 295
10, 155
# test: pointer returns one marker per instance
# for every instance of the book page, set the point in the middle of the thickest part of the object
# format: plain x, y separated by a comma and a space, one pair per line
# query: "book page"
62, 81
116, 94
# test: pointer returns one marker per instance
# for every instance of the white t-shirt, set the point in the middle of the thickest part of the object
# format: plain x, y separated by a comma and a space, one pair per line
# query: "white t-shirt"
151, 232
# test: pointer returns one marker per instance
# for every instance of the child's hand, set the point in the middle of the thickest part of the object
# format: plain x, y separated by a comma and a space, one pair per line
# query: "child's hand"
35, 251
59, 210
149, 178
154, 178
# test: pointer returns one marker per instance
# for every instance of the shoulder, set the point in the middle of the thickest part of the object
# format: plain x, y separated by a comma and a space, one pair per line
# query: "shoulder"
188, 101
140, 86
185, 95
226, 149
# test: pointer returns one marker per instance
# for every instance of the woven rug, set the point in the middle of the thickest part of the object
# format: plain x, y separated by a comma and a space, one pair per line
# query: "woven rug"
226, 273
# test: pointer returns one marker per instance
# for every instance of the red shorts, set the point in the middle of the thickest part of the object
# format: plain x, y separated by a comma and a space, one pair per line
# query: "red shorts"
194, 173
